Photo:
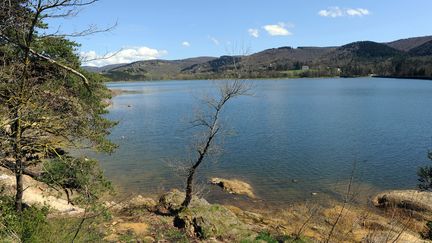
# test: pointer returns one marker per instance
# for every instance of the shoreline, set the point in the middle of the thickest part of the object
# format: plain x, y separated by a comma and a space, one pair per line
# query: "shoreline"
140, 217
401, 77
280, 78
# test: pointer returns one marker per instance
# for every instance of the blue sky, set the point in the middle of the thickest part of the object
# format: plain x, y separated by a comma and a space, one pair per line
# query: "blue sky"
180, 29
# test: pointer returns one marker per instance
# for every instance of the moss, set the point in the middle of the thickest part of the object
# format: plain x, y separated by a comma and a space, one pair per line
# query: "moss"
208, 221
269, 238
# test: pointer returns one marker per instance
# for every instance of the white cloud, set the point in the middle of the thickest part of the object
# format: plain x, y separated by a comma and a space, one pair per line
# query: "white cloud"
186, 44
277, 29
214, 40
253, 32
358, 12
91, 58
335, 12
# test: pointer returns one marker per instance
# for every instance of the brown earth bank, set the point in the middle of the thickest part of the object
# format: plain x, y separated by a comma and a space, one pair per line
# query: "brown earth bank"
398, 216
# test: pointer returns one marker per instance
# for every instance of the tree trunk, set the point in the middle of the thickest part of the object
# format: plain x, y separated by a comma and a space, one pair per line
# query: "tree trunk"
18, 162
189, 185
19, 188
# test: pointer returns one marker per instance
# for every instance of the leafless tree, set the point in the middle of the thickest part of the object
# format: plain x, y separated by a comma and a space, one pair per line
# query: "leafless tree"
210, 124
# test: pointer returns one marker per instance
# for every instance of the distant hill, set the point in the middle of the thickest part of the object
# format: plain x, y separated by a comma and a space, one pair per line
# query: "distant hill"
154, 69
422, 50
102, 69
367, 50
216, 65
361, 58
409, 43
407, 57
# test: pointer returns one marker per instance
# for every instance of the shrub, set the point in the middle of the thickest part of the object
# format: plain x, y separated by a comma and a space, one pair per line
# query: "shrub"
27, 226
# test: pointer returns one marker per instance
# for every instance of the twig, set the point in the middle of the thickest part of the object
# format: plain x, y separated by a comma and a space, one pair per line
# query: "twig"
344, 204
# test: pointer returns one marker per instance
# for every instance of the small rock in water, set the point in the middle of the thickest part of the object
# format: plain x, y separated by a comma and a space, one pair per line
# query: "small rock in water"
314, 193
129, 105
234, 186
294, 180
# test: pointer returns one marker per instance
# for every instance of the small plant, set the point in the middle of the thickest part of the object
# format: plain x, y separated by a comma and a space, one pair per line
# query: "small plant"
266, 237
425, 176
26, 226
428, 233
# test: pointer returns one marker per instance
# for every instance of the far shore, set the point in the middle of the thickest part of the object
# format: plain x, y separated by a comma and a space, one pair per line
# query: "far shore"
282, 78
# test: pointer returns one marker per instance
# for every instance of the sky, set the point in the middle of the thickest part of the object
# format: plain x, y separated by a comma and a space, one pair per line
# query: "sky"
174, 29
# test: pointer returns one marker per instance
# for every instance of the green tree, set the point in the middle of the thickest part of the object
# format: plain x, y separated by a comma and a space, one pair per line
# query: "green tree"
48, 106
425, 176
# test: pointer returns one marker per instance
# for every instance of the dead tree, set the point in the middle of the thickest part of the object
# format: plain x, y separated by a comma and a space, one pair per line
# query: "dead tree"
210, 124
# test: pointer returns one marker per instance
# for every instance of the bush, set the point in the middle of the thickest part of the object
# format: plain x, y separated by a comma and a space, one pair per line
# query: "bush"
428, 233
27, 226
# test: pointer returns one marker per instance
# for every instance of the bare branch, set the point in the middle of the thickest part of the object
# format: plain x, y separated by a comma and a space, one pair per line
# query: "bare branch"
104, 57
50, 60
89, 31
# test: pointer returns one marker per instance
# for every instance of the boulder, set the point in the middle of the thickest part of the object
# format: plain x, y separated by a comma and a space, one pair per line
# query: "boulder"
202, 219
171, 201
234, 186
140, 201
212, 221
415, 200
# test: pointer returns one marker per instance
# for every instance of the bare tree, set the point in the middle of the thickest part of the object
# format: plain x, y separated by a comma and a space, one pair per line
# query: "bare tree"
210, 123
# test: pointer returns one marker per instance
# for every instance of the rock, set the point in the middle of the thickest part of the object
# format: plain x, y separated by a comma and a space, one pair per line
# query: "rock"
37, 194
234, 186
148, 239
202, 219
407, 199
172, 200
113, 206
111, 238
314, 193
138, 229
207, 221
140, 201
294, 180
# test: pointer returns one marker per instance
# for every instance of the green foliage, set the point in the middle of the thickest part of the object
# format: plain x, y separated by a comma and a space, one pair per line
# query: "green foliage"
428, 233
47, 105
32, 225
28, 226
266, 237
425, 176
171, 235
60, 49
78, 174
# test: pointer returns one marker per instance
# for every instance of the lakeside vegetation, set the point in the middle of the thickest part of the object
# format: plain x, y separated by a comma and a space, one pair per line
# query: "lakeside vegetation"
49, 107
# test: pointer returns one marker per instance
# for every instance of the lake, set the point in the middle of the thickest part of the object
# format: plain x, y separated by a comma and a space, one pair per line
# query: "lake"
290, 139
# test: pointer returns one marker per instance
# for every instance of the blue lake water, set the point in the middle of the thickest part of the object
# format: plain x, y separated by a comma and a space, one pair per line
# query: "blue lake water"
291, 138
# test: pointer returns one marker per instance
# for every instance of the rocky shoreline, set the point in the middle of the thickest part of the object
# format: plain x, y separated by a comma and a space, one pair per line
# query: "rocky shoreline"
396, 215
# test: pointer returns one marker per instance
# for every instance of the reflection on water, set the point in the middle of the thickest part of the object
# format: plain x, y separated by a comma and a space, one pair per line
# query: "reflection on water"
292, 138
